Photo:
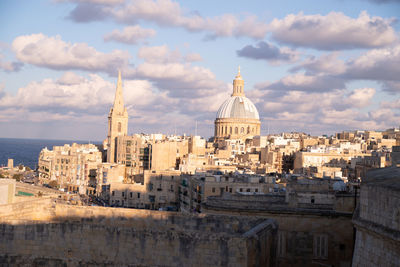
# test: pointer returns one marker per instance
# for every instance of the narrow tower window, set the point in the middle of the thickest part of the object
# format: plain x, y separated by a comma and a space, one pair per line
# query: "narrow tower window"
119, 127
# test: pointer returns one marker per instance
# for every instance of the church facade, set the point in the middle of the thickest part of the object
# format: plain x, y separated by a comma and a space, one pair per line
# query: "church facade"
237, 118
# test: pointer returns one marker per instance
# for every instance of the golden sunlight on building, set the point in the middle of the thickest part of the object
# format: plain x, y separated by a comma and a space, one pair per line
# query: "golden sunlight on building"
237, 118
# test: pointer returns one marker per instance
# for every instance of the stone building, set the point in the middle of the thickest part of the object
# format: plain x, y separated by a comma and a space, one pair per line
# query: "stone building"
314, 220
7, 191
377, 219
152, 190
117, 122
195, 189
237, 118
70, 166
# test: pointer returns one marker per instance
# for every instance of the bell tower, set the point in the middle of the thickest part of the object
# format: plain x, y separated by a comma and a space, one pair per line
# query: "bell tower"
117, 121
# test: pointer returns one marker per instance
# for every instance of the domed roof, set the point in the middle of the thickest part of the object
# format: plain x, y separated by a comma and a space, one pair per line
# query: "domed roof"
238, 107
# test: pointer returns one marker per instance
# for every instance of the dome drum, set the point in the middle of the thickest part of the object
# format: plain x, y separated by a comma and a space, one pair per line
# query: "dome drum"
236, 128
237, 118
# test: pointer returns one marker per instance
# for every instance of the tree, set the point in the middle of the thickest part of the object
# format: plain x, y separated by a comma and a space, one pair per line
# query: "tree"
17, 177
20, 167
27, 168
53, 184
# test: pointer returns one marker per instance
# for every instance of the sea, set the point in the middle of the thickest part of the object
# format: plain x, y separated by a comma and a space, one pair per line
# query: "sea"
26, 151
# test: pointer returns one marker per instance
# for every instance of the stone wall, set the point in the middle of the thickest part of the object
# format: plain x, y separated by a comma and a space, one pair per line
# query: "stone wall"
55, 234
377, 220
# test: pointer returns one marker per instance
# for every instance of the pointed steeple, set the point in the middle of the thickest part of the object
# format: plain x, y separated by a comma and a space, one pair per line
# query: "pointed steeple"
119, 97
238, 85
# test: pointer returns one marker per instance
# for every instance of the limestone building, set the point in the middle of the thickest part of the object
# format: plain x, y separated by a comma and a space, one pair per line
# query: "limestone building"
117, 122
237, 118
70, 166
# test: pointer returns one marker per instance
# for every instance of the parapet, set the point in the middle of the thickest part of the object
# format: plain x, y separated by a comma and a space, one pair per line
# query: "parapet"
55, 233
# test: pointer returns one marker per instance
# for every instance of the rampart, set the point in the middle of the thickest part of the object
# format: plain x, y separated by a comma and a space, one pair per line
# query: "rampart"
46, 233
377, 219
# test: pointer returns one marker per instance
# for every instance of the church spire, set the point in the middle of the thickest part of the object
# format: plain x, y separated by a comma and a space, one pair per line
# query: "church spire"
119, 97
238, 85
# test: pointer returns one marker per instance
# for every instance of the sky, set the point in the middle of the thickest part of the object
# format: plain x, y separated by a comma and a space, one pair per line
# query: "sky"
311, 66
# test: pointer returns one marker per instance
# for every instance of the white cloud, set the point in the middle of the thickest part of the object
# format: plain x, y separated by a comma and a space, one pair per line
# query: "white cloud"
169, 13
192, 57
376, 64
326, 64
333, 31
302, 82
130, 35
159, 54
361, 97
325, 112
54, 53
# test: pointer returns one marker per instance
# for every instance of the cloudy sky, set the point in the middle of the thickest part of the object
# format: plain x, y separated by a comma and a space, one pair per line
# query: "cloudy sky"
314, 66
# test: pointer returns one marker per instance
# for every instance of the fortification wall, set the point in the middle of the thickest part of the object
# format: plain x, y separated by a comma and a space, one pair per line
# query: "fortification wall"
377, 221
372, 249
61, 235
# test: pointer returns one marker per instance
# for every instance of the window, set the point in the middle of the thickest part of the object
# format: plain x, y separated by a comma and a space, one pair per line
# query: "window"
119, 127
256, 190
226, 129
248, 190
242, 130
320, 246
138, 195
248, 129
236, 130
230, 190
226, 188
241, 189
213, 190
230, 130
313, 199
123, 194
113, 193
130, 194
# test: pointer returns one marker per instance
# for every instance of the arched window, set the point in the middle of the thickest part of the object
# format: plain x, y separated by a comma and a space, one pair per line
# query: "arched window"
226, 130
248, 129
119, 127
254, 130
230, 130
242, 130
236, 130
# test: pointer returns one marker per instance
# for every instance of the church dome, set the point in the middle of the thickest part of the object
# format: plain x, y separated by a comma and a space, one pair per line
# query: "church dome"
238, 107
